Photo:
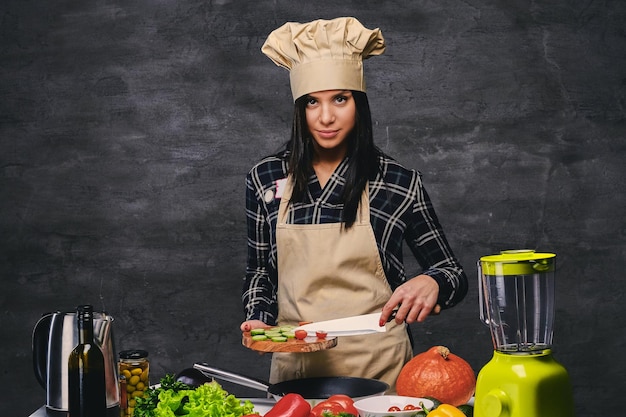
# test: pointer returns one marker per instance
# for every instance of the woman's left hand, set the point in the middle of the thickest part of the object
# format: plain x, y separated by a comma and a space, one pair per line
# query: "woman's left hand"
417, 299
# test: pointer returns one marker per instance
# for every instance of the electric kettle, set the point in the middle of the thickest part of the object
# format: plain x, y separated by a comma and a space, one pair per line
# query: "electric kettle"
54, 337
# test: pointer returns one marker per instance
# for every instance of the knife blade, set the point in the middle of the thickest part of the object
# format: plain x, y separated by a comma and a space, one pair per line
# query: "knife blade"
347, 326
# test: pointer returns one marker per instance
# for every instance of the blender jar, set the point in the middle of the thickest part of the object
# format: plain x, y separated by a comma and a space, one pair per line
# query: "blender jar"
516, 294
517, 303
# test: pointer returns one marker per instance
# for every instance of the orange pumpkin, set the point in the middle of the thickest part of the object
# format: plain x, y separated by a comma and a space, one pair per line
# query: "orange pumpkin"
437, 373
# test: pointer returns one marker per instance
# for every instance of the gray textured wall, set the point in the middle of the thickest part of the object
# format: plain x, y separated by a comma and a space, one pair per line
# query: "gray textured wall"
127, 127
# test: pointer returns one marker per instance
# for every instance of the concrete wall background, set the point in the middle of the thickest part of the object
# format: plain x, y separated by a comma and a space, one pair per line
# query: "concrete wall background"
127, 127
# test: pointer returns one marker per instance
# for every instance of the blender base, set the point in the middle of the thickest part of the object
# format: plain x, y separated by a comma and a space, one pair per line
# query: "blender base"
523, 385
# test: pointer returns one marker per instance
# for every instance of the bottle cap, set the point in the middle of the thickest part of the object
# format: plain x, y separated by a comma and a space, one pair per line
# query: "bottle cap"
133, 354
84, 312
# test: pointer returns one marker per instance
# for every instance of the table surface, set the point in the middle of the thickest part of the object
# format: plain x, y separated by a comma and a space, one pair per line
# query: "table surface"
262, 405
45, 412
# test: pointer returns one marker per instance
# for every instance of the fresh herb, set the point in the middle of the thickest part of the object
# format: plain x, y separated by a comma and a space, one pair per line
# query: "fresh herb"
147, 404
174, 398
340, 414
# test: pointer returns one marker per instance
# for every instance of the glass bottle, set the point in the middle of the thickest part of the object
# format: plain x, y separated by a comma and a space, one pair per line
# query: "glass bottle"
86, 380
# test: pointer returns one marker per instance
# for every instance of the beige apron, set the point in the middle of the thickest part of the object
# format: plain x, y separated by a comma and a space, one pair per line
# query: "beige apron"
327, 272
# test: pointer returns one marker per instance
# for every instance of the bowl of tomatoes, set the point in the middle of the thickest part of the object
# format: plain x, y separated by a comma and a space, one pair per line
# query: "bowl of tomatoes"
391, 406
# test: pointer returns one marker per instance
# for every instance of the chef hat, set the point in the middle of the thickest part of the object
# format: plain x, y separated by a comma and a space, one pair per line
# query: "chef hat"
324, 54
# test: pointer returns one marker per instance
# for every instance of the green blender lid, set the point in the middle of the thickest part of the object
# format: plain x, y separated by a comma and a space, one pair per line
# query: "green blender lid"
517, 262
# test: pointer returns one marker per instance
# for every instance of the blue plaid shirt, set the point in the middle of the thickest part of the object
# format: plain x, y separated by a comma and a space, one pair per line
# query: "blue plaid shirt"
400, 210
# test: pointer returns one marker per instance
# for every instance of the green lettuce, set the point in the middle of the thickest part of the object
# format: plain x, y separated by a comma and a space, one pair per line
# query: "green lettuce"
176, 399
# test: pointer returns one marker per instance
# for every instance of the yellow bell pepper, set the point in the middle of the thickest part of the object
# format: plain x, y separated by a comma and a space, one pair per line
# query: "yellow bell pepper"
446, 410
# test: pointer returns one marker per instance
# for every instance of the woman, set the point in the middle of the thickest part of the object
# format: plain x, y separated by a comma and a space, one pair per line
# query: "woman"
327, 216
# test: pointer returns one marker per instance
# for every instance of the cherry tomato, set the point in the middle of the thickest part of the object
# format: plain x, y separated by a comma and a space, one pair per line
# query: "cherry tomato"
321, 334
411, 407
301, 334
394, 408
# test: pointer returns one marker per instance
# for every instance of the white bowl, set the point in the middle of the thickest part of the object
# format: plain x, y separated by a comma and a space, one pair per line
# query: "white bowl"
378, 406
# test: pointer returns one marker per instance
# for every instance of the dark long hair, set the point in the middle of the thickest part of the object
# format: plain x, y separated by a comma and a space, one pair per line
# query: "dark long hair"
363, 163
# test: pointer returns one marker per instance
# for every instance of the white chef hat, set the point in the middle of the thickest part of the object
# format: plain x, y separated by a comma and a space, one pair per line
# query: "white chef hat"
324, 54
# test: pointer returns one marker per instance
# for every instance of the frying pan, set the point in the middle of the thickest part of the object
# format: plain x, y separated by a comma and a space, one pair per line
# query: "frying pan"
311, 389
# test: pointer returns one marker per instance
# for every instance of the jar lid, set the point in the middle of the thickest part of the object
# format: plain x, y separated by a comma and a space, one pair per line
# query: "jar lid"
133, 354
518, 262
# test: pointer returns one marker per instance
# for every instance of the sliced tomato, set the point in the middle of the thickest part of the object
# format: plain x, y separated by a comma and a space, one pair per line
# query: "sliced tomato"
321, 334
300, 334
411, 407
394, 408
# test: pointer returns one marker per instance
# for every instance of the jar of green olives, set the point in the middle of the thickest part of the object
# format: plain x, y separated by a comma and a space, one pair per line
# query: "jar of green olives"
134, 370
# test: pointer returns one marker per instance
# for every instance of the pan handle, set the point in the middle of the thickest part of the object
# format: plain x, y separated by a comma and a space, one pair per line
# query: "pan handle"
246, 381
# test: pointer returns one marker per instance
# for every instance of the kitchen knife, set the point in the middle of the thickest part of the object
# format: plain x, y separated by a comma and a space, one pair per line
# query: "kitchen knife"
348, 326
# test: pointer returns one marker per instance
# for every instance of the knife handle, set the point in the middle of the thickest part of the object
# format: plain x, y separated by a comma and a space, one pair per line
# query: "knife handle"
435, 311
392, 315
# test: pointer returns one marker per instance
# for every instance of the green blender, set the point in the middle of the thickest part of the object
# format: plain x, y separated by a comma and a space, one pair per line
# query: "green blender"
516, 296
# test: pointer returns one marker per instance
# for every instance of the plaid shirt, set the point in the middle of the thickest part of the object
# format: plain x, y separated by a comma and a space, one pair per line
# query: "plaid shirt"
400, 209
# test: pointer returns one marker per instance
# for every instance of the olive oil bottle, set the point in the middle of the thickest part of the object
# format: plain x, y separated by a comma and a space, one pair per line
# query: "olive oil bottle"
87, 389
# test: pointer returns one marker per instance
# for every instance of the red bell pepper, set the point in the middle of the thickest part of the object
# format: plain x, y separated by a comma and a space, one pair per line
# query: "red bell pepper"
291, 405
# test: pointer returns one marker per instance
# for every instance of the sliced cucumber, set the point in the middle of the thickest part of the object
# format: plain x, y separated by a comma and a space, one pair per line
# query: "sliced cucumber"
275, 334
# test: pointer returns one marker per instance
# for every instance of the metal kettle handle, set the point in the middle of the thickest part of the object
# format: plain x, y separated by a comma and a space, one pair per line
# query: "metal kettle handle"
41, 333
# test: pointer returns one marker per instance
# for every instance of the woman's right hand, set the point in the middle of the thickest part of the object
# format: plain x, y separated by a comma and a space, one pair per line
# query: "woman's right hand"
248, 325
